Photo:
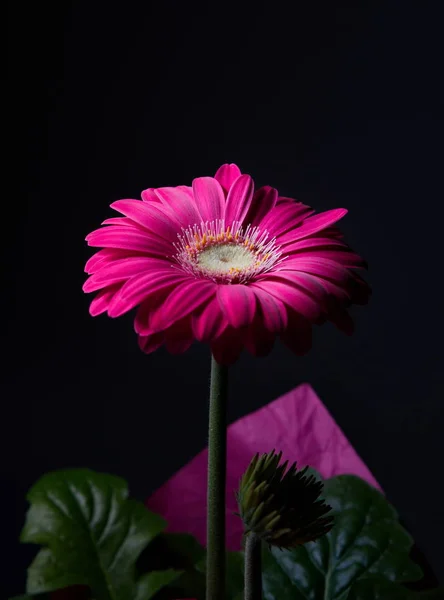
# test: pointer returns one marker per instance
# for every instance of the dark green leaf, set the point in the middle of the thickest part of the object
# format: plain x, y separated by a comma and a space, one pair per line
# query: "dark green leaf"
92, 534
235, 575
153, 582
366, 540
185, 546
191, 584
177, 550
182, 552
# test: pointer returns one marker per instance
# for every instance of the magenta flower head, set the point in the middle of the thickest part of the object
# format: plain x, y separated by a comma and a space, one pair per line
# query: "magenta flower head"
224, 264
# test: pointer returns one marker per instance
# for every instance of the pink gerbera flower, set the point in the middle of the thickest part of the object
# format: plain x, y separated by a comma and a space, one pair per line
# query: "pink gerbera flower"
224, 264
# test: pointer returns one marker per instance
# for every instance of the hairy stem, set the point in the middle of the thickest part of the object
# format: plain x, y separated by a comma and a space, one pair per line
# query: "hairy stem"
253, 568
217, 459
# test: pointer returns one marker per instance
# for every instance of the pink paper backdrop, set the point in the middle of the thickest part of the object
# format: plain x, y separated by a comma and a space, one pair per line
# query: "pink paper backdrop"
297, 423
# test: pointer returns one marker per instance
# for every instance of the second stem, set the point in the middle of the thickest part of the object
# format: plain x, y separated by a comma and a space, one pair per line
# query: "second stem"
253, 568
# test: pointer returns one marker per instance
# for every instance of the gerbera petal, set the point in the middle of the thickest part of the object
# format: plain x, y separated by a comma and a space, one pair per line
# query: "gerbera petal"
298, 335
126, 238
239, 199
149, 195
306, 283
259, 340
150, 343
259, 343
183, 300
285, 217
333, 232
210, 321
284, 200
332, 289
179, 337
209, 197
264, 200
121, 270
292, 296
149, 305
293, 224
106, 256
238, 303
344, 257
140, 287
318, 222
322, 267
181, 203
311, 243
187, 189
338, 315
141, 320
274, 312
102, 301
119, 221
227, 348
226, 175
153, 217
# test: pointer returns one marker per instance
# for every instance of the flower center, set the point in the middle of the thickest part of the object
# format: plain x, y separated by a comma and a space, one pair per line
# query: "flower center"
225, 258
226, 254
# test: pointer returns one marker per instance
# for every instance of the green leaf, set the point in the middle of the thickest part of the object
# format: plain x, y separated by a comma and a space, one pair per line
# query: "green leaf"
366, 540
235, 575
153, 582
92, 535
178, 550
182, 552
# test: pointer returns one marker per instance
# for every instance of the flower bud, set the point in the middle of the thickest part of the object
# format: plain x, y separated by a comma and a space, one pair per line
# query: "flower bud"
283, 507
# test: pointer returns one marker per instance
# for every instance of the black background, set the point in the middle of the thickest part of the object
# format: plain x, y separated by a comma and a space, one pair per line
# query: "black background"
335, 103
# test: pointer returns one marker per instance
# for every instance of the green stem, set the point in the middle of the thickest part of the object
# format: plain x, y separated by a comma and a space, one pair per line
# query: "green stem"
217, 460
253, 567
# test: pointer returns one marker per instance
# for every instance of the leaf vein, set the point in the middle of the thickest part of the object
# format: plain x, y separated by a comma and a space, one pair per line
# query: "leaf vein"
351, 542
292, 581
108, 583
109, 501
124, 539
368, 567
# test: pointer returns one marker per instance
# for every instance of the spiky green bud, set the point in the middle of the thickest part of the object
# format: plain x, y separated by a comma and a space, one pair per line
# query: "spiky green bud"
282, 506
